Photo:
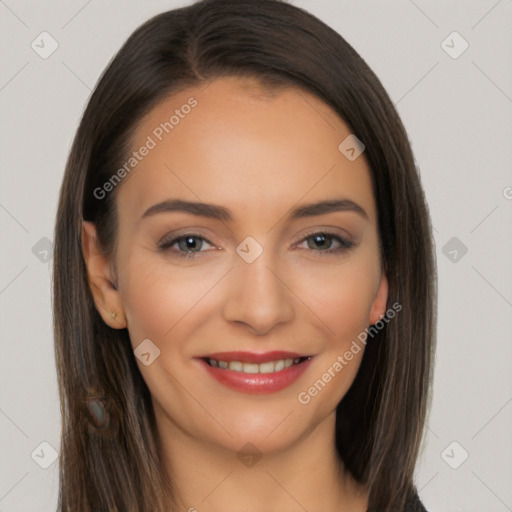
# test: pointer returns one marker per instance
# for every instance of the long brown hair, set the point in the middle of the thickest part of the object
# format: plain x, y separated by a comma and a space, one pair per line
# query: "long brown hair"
112, 462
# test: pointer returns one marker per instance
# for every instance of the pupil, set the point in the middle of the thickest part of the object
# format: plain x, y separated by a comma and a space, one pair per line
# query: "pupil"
190, 241
320, 240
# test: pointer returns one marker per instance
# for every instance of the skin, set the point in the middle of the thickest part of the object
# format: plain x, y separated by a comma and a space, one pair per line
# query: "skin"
260, 155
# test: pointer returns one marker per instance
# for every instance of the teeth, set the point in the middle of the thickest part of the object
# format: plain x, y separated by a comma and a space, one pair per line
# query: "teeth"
250, 367
279, 365
268, 367
234, 365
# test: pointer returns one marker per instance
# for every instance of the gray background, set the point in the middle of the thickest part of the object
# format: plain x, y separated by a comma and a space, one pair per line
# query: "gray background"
458, 114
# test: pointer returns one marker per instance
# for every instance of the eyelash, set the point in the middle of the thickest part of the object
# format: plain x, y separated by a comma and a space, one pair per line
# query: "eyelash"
165, 245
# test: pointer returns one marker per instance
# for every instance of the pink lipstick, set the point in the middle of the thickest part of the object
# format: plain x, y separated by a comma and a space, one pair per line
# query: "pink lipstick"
256, 373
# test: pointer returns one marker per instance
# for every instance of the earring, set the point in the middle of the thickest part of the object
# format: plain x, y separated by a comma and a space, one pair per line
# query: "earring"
113, 314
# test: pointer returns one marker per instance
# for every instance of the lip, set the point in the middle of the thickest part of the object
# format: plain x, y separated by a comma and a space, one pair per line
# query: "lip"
255, 383
253, 357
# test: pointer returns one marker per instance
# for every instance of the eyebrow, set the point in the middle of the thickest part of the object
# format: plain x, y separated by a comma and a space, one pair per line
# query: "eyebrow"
221, 213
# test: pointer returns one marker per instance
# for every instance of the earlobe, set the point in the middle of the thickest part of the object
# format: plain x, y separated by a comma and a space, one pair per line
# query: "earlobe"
379, 302
101, 279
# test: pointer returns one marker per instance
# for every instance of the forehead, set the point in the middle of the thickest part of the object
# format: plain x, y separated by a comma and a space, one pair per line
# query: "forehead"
254, 150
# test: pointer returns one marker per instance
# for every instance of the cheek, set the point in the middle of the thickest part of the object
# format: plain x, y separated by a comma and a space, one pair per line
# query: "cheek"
341, 307
159, 299
340, 297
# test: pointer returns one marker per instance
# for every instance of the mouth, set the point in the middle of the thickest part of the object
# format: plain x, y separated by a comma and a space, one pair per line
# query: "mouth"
248, 367
256, 373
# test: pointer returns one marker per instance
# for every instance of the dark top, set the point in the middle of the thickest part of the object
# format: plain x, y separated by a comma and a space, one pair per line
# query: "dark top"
413, 505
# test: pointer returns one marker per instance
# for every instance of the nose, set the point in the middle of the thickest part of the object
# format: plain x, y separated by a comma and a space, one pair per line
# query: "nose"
258, 295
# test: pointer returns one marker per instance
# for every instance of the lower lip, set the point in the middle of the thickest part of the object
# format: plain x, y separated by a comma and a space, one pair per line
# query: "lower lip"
257, 383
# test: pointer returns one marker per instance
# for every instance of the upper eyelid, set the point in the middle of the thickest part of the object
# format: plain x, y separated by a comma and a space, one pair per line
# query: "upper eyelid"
167, 239
335, 230
170, 240
329, 232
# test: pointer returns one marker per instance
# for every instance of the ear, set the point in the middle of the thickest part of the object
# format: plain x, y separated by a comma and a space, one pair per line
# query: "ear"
101, 279
379, 302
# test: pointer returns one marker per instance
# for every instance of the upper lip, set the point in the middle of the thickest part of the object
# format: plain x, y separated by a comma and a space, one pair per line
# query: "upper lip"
253, 357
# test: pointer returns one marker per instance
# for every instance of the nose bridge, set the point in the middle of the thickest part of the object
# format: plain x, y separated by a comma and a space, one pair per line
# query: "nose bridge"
257, 294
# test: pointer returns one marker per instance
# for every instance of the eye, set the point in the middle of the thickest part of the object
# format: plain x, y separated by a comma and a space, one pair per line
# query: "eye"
322, 243
188, 244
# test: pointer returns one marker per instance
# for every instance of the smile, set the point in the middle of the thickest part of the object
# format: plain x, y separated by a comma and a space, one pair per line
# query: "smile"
249, 372
245, 367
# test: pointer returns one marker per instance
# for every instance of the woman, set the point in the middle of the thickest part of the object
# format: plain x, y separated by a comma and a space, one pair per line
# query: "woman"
244, 287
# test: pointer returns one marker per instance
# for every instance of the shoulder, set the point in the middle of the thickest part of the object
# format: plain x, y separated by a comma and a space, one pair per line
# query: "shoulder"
414, 504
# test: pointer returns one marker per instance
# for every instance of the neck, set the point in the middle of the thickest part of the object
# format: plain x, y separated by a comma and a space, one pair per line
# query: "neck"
305, 475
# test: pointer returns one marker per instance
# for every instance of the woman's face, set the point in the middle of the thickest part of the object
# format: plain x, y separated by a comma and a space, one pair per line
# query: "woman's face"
246, 274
